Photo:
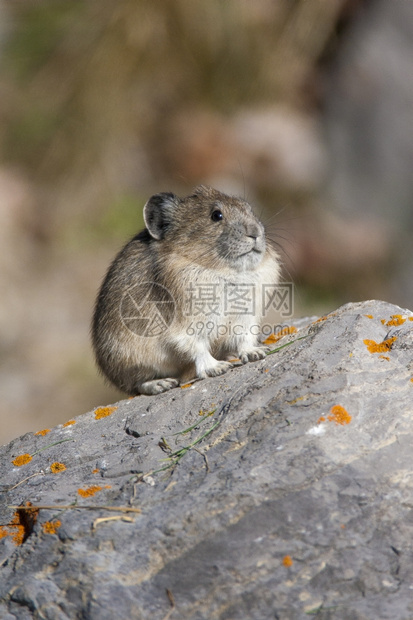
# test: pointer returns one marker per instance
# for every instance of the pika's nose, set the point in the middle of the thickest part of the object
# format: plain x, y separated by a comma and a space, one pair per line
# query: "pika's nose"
253, 231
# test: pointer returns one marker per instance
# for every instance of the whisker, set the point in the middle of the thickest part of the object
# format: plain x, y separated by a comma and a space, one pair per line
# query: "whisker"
243, 179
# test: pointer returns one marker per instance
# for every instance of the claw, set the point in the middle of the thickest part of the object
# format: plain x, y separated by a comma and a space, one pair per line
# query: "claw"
218, 369
253, 355
157, 386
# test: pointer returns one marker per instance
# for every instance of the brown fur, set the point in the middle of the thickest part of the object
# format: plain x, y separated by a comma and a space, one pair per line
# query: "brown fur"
181, 245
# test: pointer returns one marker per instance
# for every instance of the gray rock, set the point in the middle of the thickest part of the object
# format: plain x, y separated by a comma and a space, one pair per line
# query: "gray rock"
270, 480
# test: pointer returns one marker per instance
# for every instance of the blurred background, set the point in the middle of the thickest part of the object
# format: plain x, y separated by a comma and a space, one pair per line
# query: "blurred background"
302, 106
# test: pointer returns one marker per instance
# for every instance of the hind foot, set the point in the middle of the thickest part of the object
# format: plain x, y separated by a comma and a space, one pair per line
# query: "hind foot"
157, 386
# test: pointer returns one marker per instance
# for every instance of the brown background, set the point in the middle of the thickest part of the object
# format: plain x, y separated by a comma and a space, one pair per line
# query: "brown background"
302, 106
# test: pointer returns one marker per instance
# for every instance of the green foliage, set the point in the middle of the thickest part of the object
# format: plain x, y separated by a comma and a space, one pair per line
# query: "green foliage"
38, 32
122, 219
114, 224
30, 132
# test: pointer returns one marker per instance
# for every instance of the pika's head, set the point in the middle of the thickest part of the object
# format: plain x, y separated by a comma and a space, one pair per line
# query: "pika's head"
208, 228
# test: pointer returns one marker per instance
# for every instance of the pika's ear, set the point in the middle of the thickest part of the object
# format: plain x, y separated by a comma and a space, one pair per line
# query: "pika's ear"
158, 213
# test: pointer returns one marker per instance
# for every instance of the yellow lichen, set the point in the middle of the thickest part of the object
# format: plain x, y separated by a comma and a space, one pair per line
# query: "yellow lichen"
369, 316
395, 319
57, 467
44, 432
21, 526
380, 347
69, 423
18, 536
22, 459
384, 357
51, 527
285, 331
186, 385
91, 490
104, 412
339, 415
287, 561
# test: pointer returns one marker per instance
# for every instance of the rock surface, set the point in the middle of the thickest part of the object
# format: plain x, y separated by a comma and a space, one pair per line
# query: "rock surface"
274, 513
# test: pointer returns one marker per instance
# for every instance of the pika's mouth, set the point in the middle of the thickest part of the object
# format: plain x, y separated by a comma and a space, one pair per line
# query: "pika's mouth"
251, 251
258, 248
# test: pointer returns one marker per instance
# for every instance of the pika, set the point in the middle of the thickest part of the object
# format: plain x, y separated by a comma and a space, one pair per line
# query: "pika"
185, 294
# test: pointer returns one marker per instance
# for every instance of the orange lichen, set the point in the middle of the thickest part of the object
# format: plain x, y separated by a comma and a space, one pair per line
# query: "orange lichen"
395, 319
104, 412
339, 415
51, 527
44, 432
321, 419
57, 467
382, 321
89, 491
369, 316
287, 561
384, 357
285, 331
18, 535
22, 524
271, 339
322, 318
92, 490
380, 347
410, 318
69, 423
186, 385
95, 471
411, 379
22, 459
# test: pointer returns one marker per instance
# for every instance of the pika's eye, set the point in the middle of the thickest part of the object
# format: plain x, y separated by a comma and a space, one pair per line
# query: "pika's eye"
216, 215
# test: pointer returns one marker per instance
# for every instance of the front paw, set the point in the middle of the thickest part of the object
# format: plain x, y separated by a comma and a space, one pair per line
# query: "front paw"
214, 371
254, 354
